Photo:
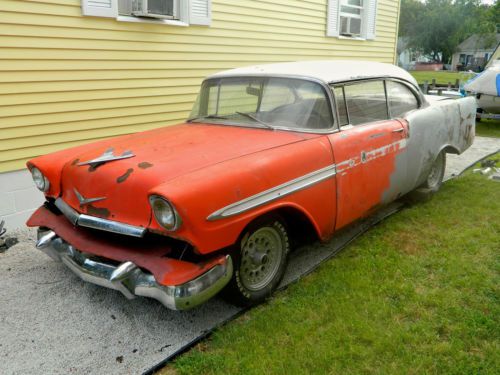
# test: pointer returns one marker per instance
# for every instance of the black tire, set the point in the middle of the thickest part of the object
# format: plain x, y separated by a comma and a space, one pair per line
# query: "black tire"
433, 181
479, 111
264, 243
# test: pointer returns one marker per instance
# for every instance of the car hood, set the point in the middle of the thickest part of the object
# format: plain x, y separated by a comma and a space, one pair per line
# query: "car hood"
119, 188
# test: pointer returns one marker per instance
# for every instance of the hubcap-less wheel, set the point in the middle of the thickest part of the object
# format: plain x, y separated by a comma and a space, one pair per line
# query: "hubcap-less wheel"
436, 174
261, 257
260, 260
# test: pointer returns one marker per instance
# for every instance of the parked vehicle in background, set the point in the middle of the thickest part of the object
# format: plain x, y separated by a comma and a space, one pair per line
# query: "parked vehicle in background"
486, 88
269, 152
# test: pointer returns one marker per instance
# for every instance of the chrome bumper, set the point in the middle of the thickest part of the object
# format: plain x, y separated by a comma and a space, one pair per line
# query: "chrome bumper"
131, 281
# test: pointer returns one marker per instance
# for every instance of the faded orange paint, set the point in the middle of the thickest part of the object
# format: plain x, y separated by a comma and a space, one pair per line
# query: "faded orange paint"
201, 168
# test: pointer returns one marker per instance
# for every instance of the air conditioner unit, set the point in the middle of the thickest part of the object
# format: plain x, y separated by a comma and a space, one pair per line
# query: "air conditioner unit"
154, 8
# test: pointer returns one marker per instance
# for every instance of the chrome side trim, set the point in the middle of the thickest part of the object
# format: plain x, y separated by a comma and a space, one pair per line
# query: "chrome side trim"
131, 280
274, 193
98, 223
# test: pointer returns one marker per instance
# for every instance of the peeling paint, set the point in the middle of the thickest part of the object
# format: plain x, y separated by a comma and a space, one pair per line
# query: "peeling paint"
144, 165
124, 176
98, 211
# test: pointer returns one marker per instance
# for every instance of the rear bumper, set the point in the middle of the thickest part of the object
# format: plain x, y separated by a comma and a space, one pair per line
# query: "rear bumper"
132, 281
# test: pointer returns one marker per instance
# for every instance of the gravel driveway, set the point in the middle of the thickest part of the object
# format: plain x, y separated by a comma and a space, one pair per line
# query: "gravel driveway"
51, 322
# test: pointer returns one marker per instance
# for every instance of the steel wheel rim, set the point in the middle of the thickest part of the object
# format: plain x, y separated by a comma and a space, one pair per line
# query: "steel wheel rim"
260, 258
435, 173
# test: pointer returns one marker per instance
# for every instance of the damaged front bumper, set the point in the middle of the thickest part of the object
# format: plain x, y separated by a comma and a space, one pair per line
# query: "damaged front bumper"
127, 272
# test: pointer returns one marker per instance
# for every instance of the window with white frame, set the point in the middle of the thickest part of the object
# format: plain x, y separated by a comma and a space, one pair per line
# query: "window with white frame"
352, 18
351, 14
162, 9
175, 12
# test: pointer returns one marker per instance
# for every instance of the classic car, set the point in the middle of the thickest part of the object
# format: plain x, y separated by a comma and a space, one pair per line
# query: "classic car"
269, 153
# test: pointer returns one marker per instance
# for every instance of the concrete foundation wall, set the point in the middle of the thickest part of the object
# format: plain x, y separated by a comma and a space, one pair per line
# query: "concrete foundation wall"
18, 198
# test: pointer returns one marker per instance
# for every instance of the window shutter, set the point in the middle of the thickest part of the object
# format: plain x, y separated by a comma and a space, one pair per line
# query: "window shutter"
200, 12
371, 19
100, 8
332, 22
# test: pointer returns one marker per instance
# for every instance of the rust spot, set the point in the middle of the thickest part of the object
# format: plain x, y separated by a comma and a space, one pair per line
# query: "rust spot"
144, 165
93, 167
377, 135
126, 175
97, 211
75, 162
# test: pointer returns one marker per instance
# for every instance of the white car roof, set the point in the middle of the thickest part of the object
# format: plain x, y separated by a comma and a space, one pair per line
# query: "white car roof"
327, 71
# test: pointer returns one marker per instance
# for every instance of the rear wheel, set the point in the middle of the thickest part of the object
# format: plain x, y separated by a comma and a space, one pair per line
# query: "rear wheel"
260, 261
433, 182
436, 174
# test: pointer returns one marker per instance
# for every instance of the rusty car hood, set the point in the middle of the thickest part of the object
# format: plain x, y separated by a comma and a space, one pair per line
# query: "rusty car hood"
118, 189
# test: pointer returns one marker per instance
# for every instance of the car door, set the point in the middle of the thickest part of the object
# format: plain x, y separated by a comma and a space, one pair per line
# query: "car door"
366, 150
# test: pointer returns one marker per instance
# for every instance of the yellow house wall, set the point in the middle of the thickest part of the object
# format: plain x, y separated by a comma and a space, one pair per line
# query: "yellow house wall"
66, 79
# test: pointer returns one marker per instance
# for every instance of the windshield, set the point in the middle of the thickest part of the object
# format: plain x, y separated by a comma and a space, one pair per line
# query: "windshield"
263, 102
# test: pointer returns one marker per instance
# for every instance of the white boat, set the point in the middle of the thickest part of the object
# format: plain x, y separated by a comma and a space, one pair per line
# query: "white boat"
486, 87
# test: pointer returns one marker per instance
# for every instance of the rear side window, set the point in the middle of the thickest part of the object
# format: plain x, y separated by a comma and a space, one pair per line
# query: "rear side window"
341, 106
366, 102
401, 99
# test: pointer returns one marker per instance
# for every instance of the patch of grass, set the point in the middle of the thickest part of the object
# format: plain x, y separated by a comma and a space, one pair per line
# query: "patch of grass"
442, 77
488, 128
417, 294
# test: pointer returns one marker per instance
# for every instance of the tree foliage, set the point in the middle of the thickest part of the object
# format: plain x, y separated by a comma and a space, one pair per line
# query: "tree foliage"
436, 27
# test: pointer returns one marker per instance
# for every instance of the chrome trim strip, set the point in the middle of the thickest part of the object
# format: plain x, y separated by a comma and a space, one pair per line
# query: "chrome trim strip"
131, 280
98, 223
274, 193
67, 211
110, 226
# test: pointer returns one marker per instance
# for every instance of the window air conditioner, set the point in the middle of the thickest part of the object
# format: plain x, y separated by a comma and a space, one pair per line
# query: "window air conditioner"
154, 8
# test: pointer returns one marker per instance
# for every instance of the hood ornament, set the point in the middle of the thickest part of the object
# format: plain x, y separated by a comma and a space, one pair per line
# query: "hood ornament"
107, 156
83, 201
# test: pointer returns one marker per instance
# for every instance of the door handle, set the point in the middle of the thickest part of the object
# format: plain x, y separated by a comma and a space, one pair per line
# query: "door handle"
398, 130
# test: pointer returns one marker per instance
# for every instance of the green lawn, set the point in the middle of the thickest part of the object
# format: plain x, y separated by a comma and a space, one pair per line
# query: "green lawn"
488, 128
442, 77
417, 294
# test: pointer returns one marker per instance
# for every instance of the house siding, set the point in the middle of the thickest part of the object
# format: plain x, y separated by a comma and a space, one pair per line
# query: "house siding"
67, 79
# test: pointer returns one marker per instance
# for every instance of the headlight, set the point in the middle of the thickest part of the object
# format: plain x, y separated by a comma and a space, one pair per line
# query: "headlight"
41, 182
165, 213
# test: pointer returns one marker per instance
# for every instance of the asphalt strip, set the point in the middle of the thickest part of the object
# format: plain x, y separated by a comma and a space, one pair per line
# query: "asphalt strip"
51, 322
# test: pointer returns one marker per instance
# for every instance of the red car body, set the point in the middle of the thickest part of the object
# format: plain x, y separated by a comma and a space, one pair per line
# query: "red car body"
220, 179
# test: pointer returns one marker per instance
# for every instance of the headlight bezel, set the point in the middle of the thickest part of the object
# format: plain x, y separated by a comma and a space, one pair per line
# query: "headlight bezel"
155, 199
42, 183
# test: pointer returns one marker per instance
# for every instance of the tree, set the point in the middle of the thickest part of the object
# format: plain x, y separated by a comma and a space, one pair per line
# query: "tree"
436, 27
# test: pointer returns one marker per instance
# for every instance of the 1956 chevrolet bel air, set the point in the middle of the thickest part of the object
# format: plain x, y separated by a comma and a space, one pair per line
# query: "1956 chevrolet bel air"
181, 212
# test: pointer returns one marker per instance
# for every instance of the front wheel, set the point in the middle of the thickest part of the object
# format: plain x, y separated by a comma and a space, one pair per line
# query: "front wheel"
260, 261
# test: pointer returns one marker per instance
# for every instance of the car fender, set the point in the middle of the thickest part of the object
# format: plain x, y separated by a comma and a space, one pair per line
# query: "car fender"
198, 195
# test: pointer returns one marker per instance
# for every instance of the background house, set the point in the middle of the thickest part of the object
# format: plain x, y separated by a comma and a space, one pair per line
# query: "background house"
474, 52
74, 71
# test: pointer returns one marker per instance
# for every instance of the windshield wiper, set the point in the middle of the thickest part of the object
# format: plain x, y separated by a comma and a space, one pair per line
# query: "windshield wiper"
252, 117
208, 117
